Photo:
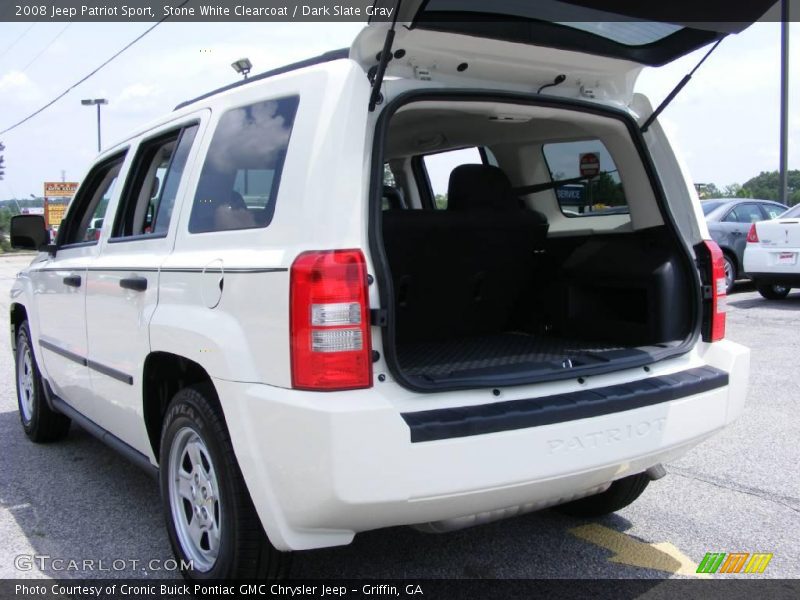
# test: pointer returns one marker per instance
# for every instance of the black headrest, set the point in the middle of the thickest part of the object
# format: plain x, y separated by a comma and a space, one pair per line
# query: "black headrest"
236, 201
480, 187
394, 197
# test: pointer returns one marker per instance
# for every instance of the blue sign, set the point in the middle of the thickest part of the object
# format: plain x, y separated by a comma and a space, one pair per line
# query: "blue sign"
571, 195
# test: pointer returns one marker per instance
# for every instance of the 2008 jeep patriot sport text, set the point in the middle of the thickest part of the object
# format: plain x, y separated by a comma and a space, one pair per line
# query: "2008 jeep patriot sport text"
263, 297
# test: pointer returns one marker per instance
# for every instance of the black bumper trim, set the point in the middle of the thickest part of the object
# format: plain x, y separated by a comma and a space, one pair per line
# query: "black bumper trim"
446, 423
62, 352
787, 279
95, 366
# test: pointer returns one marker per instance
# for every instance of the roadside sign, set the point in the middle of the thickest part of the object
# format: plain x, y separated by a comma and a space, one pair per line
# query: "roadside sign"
571, 195
60, 189
54, 213
589, 164
57, 195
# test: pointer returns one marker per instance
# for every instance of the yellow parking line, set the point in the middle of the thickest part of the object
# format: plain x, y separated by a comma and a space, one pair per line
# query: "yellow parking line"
662, 556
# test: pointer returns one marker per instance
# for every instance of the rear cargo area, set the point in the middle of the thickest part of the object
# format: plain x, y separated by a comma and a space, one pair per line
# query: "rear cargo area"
472, 310
493, 289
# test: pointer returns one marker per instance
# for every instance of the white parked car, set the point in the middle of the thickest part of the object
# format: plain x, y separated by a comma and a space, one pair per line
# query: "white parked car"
280, 318
771, 255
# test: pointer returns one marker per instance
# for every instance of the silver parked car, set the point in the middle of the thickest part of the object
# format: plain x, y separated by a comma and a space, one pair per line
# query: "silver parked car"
729, 220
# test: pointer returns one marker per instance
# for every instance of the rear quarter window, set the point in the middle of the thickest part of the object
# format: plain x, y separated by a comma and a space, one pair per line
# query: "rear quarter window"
241, 173
578, 195
439, 166
792, 213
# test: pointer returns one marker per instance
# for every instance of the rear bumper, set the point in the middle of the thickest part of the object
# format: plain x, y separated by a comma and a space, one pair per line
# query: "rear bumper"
762, 265
321, 467
440, 424
787, 279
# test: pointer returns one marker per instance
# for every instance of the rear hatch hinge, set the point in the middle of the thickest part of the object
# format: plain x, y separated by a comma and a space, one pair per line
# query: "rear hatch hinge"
383, 60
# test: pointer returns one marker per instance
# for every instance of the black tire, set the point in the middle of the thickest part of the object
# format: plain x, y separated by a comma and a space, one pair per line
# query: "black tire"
244, 552
773, 292
621, 493
40, 422
731, 272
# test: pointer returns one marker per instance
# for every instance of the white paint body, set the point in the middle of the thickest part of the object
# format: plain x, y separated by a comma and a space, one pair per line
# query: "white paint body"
778, 250
322, 466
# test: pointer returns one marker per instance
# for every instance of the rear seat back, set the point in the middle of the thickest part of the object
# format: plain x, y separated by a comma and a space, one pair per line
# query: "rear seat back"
461, 271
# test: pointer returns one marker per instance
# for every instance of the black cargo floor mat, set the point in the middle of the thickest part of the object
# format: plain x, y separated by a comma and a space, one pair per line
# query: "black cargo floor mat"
436, 359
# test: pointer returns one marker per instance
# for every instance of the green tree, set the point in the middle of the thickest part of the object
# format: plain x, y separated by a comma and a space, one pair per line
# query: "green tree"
388, 176
707, 190
765, 185
606, 190
735, 190
5, 219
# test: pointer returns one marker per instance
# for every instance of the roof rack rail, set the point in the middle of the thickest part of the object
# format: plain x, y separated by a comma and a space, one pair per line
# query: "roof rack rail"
322, 58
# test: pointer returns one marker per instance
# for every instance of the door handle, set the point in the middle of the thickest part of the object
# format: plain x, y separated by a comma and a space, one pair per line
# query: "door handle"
137, 284
72, 280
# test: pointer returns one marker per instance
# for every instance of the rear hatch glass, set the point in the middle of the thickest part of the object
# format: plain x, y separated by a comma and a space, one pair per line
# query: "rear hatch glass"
649, 33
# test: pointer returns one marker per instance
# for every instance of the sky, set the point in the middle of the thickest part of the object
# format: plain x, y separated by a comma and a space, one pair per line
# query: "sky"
724, 123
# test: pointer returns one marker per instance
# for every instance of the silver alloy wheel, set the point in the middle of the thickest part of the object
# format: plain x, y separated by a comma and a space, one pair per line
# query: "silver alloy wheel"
194, 499
25, 381
728, 273
780, 289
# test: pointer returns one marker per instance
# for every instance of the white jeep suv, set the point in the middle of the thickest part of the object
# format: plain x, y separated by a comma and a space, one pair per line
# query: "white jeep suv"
449, 275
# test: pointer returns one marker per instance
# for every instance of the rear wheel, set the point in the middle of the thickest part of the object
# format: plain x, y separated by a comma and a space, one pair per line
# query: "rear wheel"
730, 273
621, 493
774, 291
211, 520
40, 422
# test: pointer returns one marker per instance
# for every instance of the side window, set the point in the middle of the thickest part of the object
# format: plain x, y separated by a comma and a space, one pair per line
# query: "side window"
773, 210
150, 191
87, 211
439, 166
242, 170
792, 213
392, 197
589, 183
745, 213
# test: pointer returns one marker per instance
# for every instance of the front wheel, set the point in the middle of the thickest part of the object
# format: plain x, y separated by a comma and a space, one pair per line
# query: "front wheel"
774, 291
40, 422
621, 493
212, 523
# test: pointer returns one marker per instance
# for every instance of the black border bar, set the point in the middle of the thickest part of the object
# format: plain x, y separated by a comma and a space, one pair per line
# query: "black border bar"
447, 423
95, 366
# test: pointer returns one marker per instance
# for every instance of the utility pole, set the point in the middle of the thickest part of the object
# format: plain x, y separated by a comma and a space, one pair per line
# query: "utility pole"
783, 170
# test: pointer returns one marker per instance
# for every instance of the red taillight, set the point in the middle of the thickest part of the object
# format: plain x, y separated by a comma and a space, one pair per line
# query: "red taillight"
752, 235
716, 329
330, 341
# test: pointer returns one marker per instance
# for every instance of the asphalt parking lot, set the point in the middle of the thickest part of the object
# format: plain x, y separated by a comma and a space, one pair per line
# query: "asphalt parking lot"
738, 492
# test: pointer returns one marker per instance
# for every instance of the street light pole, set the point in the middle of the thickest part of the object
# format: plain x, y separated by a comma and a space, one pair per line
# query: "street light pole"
242, 66
783, 170
96, 102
